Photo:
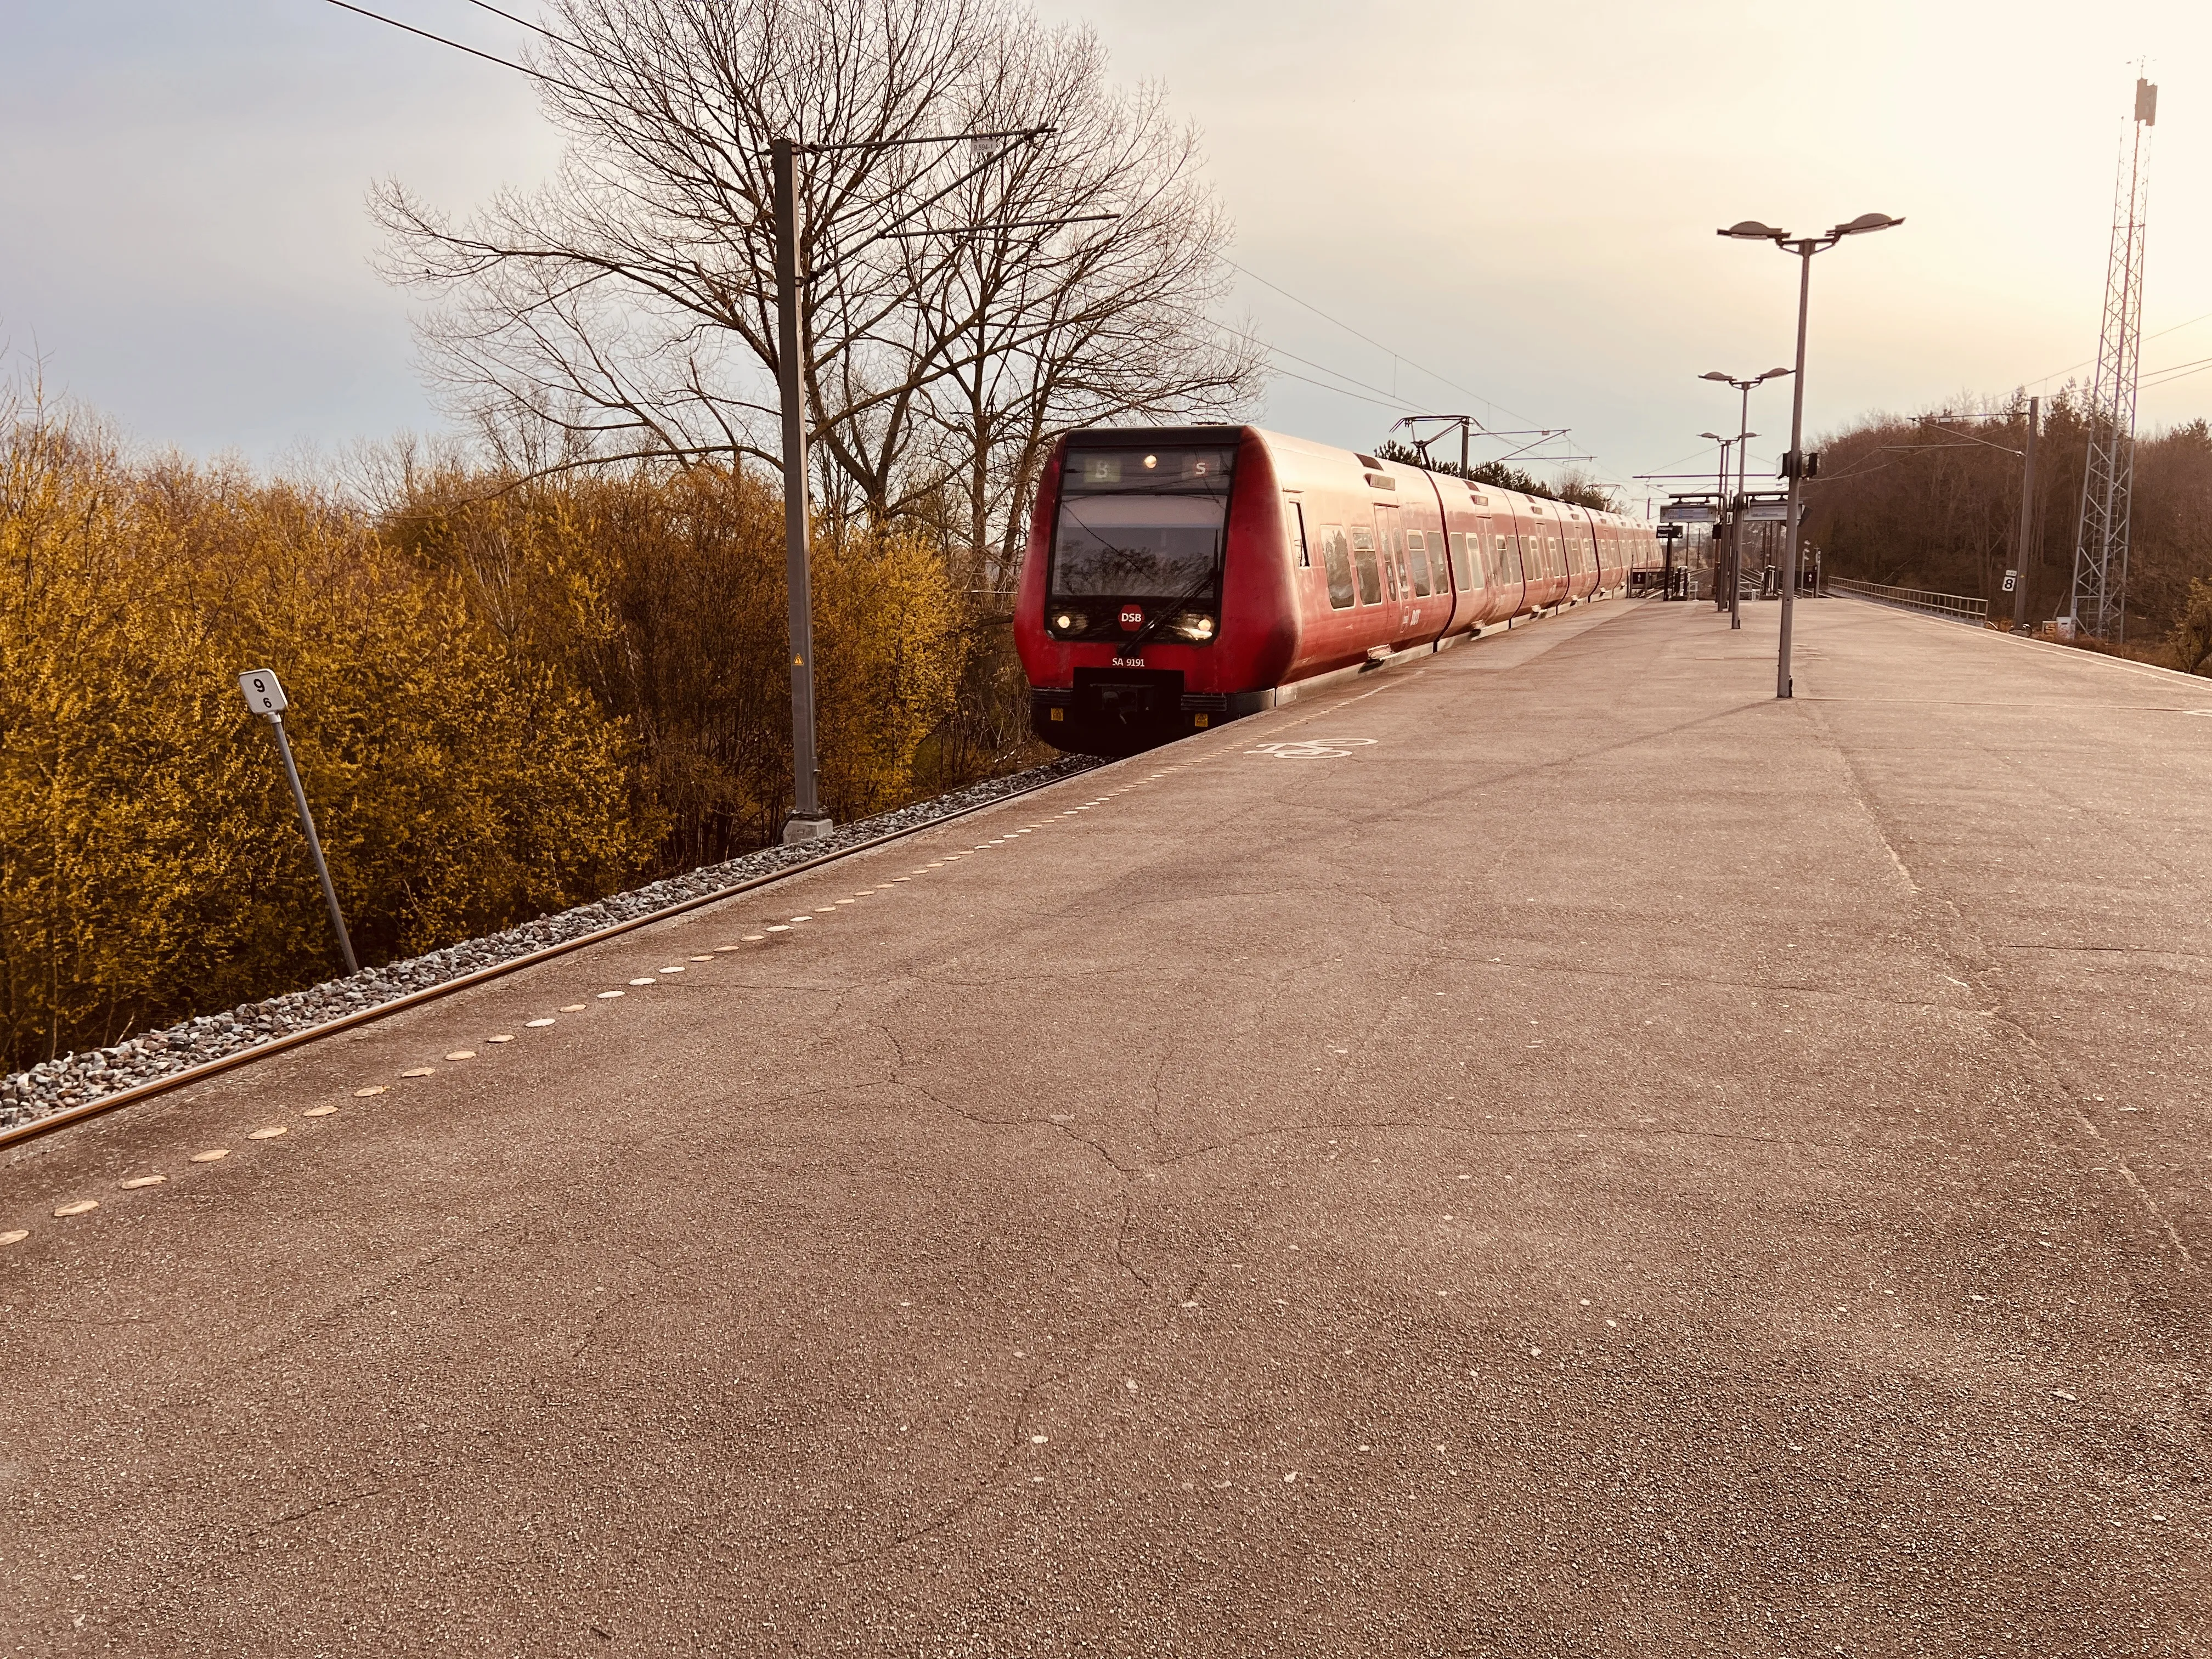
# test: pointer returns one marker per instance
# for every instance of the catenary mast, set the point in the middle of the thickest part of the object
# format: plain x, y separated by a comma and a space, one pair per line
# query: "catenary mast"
2099, 604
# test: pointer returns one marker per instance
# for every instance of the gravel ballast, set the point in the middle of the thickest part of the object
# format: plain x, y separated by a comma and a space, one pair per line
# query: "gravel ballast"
80, 1078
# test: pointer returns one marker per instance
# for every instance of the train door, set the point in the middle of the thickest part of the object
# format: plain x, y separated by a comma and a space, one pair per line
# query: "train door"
1432, 582
1527, 544
1503, 562
1397, 581
1529, 539
1582, 552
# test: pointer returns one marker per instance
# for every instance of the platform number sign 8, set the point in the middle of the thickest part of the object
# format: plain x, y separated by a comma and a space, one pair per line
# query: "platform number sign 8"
264, 695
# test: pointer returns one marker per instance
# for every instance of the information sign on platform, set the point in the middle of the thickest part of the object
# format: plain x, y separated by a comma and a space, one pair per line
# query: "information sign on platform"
264, 695
1685, 513
1765, 513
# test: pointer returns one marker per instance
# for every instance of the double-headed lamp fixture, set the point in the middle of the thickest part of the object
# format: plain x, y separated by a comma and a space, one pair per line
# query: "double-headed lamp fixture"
1750, 230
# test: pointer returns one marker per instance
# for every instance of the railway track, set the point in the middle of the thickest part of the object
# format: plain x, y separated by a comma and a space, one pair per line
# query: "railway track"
49, 1123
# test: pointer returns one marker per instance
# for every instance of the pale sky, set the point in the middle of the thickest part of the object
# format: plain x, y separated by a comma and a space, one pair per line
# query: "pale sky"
1521, 199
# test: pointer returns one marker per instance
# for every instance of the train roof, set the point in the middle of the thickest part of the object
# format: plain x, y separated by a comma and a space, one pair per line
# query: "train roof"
1121, 437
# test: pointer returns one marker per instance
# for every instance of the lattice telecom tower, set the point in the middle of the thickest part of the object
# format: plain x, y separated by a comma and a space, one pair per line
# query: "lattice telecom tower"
2099, 605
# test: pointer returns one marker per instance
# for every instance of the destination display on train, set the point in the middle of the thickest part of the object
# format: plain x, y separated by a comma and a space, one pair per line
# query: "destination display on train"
1110, 471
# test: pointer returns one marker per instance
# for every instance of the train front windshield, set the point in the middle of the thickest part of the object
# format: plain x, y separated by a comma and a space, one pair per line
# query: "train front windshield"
1137, 524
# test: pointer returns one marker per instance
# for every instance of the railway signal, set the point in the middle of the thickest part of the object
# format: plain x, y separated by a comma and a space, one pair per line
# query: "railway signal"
264, 696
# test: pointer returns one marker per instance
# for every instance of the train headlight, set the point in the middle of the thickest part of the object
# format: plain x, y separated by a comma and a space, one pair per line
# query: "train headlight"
1065, 623
1191, 625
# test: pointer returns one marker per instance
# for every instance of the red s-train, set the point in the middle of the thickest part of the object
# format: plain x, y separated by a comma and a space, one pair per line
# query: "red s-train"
1177, 577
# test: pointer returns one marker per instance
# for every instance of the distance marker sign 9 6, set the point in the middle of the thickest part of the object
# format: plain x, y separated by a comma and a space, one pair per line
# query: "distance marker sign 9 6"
264, 695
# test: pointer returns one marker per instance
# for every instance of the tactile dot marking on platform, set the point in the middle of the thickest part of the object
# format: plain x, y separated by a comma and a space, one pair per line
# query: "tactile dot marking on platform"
574, 1008
669, 970
605, 995
533, 1024
15, 1237
751, 937
645, 979
802, 917
137, 1181
268, 1134
213, 1156
779, 927
373, 1089
421, 1071
318, 1111
702, 958
83, 1206
719, 949
462, 1053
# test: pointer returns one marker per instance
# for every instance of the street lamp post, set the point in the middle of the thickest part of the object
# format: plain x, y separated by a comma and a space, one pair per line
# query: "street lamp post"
1793, 464
1743, 452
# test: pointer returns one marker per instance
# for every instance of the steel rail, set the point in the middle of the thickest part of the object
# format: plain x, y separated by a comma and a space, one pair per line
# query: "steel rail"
51, 1121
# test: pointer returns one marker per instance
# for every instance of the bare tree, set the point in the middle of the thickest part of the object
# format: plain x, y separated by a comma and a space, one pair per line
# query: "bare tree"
956, 319
1078, 285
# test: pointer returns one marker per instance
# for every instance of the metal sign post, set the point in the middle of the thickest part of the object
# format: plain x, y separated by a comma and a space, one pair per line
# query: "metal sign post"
265, 697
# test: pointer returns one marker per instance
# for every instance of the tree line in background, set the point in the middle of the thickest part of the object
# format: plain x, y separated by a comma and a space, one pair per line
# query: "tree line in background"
1933, 501
1575, 487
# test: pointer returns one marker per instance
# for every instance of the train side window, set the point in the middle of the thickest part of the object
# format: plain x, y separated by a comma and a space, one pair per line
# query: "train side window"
1363, 556
1458, 540
1295, 522
1509, 562
1338, 557
1417, 550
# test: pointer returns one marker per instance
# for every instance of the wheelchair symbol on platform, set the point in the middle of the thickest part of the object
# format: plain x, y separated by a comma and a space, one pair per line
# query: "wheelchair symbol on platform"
1312, 748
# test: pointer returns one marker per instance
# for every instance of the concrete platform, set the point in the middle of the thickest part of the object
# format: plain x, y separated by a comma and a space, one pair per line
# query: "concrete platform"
1569, 1157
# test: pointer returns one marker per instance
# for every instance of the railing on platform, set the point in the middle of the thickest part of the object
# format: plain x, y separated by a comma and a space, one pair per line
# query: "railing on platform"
1956, 606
